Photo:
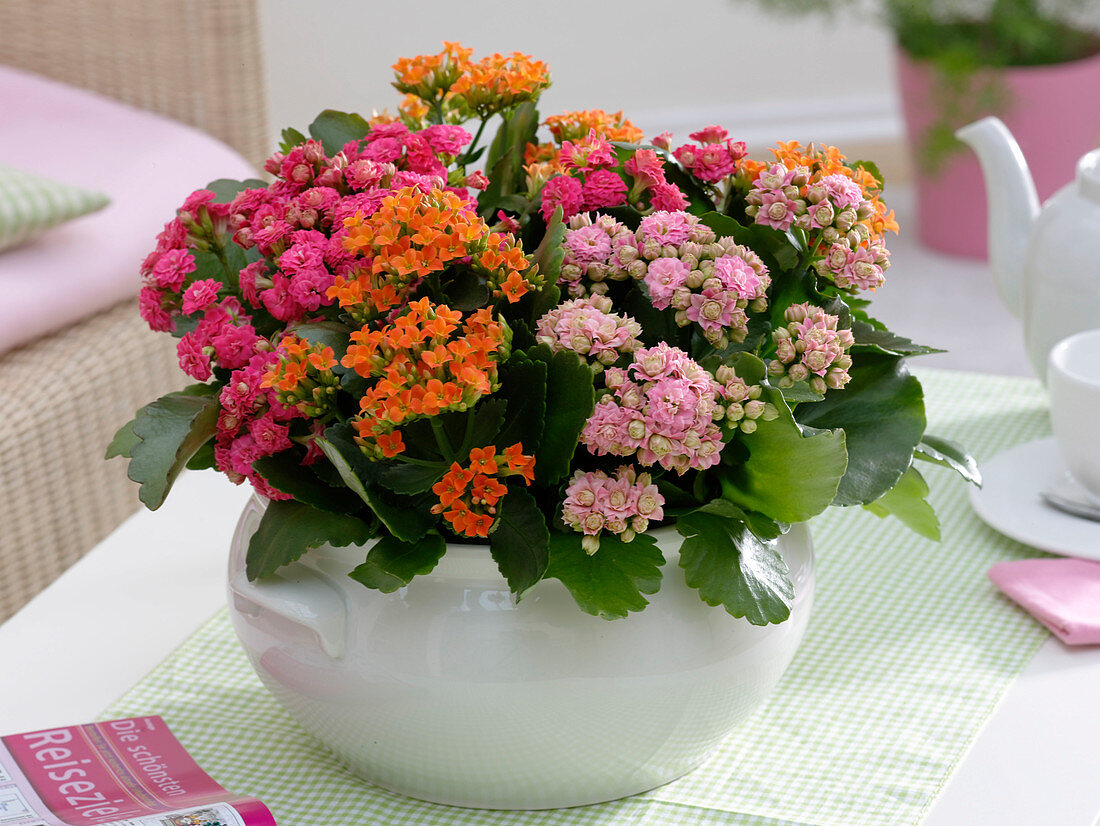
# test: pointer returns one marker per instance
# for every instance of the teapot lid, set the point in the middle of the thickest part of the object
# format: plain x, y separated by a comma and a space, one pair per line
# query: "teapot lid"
1088, 175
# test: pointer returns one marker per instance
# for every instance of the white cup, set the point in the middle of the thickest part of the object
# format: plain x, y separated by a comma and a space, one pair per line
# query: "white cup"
1073, 381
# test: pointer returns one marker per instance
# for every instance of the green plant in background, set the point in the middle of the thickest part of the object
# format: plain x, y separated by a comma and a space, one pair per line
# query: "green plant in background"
968, 44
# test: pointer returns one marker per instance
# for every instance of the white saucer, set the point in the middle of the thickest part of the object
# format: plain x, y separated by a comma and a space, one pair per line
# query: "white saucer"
1008, 501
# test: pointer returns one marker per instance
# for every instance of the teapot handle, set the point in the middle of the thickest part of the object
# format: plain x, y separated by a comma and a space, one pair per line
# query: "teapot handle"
300, 595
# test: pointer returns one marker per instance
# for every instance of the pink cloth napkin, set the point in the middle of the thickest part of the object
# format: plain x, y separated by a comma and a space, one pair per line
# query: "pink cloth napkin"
1063, 594
147, 164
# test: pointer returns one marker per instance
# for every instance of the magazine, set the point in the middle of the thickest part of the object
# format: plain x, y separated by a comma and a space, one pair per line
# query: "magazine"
131, 772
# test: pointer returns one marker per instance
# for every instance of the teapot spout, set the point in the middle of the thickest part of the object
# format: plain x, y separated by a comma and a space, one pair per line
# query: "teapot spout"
1013, 204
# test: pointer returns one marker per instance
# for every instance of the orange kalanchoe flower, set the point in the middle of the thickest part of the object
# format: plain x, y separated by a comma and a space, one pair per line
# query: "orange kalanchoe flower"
496, 82
430, 77
468, 496
303, 376
422, 368
574, 126
414, 234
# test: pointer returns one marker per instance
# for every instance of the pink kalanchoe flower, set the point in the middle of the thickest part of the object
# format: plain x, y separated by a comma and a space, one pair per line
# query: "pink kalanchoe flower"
739, 277
366, 174
235, 345
663, 277
646, 167
588, 327
667, 197
623, 504
776, 211
172, 267
663, 141
712, 309
192, 358
269, 436
587, 244
247, 279
602, 189
714, 162
591, 152
667, 228
562, 191
200, 295
860, 271
384, 150
151, 308
477, 180
419, 157
711, 134
446, 139
661, 411
843, 191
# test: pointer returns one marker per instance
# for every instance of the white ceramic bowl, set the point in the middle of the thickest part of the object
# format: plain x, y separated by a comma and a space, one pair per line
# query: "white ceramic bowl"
450, 691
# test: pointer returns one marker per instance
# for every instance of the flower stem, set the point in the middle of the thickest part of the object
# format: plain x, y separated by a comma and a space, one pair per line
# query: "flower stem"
441, 439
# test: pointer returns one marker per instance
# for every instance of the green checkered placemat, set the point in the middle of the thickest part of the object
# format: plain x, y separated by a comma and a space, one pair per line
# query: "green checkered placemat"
908, 653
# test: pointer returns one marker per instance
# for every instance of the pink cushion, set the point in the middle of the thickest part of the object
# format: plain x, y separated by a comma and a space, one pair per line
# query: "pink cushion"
146, 163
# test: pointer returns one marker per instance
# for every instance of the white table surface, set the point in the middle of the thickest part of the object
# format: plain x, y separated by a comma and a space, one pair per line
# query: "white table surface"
128, 604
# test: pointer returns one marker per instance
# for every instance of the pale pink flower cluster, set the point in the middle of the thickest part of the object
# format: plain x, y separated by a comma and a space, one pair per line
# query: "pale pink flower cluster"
742, 407
832, 210
709, 281
588, 327
811, 348
597, 250
661, 410
623, 504
715, 159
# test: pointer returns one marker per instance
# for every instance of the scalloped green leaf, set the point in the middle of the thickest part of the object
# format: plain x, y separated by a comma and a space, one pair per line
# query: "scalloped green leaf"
570, 400
523, 387
123, 441
226, 189
881, 412
730, 566
870, 338
907, 501
791, 472
948, 454
549, 257
611, 582
392, 564
170, 431
288, 529
403, 477
520, 541
285, 473
334, 129
291, 137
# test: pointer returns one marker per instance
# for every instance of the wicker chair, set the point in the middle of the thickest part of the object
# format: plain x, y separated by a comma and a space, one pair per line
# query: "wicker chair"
199, 62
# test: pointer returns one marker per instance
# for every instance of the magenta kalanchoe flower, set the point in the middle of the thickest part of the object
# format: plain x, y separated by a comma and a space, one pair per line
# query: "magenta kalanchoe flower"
588, 327
811, 349
623, 504
660, 410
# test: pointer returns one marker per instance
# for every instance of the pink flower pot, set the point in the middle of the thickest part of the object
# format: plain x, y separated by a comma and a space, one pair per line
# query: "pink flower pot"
1054, 113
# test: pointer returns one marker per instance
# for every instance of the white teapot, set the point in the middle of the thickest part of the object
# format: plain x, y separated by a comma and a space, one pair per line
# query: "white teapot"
1046, 262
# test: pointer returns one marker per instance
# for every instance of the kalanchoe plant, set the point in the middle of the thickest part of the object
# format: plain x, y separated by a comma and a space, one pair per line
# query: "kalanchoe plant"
552, 353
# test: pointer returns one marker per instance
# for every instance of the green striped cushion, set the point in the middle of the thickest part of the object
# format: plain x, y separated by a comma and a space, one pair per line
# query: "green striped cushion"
30, 203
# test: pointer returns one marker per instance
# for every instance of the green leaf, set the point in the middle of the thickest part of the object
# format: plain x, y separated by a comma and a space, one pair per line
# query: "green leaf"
288, 529
763, 526
334, 129
517, 129
906, 500
610, 583
549, 255
290, 138
881, 411
402, 477
203, 458
869, 338
519, 541
465, 291
792, 472
731, 566
392, 564
408, 519
123, 441
570, 400
523, 387
949, 454
285, 473
170, 431
226, 189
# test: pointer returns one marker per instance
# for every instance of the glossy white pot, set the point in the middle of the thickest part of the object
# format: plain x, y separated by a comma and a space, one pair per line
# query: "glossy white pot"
450, 691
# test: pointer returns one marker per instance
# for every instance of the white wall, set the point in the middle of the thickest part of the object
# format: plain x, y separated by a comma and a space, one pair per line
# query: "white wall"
668, 65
